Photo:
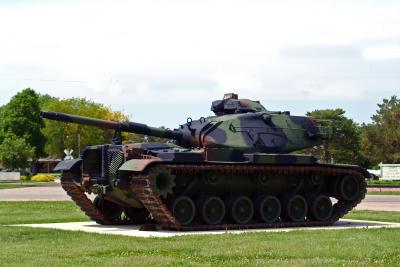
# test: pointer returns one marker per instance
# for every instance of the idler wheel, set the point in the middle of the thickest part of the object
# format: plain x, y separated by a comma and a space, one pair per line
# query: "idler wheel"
110, 210
349, 188
296, 208
184, 210
241, 209
212, 210
269, 208
321, 208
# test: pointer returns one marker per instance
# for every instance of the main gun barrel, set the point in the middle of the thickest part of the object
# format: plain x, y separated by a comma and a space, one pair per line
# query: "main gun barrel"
130, 127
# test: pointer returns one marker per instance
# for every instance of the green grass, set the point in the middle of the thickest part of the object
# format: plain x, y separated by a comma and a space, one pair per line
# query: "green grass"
20, 212
383, 182
384, 193
372, 215
45, 247
10, 185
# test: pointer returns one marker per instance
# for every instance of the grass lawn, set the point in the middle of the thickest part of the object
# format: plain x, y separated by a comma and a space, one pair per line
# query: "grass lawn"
383, 182
20, 212
44, 247
10, 185
372, 215
384, 193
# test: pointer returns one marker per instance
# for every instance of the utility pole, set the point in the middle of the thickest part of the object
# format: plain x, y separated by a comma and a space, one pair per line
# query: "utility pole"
79, 144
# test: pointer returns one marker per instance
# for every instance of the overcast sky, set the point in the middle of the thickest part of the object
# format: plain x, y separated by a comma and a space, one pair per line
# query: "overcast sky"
162, 61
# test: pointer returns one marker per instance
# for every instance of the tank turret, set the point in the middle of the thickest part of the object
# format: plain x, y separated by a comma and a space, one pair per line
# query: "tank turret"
240, 124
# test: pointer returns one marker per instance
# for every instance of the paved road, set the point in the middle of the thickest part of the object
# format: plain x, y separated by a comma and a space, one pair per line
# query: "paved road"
380, 202
371, 202
54, 192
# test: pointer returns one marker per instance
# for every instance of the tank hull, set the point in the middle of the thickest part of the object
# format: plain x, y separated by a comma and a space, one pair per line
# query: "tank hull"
172, 188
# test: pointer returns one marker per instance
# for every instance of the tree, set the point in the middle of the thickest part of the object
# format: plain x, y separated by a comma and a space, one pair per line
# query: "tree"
62, 135
15, 153
344, 146
45, 98
381, 139
20, 117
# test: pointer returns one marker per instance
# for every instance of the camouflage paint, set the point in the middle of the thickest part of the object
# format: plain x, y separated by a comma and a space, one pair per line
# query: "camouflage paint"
242, 124
137, 165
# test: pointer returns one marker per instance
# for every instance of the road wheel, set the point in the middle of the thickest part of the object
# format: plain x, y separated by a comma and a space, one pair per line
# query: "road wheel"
321, 208
183, 210
268, 208
212, 210
296, 208
241, 209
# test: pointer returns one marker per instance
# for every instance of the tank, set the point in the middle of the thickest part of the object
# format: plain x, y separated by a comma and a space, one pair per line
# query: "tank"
234, 170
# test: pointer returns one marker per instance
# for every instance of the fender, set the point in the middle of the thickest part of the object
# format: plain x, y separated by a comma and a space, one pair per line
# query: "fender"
68, 165
137, 165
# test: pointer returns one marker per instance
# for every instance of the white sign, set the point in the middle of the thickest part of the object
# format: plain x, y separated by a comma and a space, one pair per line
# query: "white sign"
390, 171
9, 176
68, 153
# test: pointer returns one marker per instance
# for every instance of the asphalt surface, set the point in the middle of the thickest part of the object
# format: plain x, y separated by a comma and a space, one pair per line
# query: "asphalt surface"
380, 202
55, 193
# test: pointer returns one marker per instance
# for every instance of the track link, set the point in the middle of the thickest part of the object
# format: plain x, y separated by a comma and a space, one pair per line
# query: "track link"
80, 199
142, 188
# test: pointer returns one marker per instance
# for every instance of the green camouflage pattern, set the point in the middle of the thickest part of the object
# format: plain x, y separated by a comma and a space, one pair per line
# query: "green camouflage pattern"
241, 126
242, 131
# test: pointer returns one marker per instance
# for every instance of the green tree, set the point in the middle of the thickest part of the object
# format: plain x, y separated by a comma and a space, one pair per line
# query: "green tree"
20, 117
2, 135
381, 139
344, 146
62, 135
15, 153
45, 98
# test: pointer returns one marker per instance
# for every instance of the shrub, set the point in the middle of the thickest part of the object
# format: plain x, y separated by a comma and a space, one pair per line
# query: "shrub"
25, 178
43, 178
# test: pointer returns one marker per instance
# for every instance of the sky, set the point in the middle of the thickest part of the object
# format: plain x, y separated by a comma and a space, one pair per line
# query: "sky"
163, 61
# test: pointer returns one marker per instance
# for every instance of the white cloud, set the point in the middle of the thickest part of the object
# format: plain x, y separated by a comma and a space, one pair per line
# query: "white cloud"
147, 52
381, 52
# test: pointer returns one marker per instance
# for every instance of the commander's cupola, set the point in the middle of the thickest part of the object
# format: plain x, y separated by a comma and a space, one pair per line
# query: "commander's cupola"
230, 104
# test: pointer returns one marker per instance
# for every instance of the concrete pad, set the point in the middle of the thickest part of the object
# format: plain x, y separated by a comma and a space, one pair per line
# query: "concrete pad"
129, 230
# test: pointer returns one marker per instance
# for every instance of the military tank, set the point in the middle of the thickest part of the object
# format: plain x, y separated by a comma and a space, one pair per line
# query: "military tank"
233, 170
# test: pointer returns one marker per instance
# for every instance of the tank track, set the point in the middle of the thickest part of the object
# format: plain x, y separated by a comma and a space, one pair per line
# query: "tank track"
141, 186
75, 192
79, 197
